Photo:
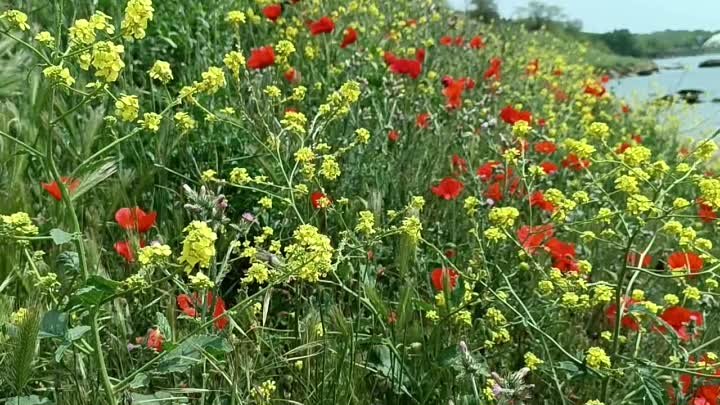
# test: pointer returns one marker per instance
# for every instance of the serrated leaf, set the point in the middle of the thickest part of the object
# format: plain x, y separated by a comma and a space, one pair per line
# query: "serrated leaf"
53, 324
189, 353
69, 262
29, 400
654, 391
60, 237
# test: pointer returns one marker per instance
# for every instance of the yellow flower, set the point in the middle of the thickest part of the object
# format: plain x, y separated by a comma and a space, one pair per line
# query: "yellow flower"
330, 169
494, 234
470, 205
366, 223
107, 60
503, 217
239, 175
266, 202
235, 17
432, 316
59, 75
151, 122
671, 299
198, 245
234, 61
710, 191
295, 122
185, 122
45, 38
16, 18
638, 204
636, 156
532, 361
362, 135
309, 257
692, 293
212, 80
463, 318
161, 71
153, 255
706, 149
597, 358
17, 224
257, 273
599, 130
127, 108
208, 175
137, 15
200, 281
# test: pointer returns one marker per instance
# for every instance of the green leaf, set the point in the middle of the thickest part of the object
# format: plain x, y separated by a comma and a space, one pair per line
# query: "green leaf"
31, 400
69, 262
53, 324
140, 380
164, 326
654, 391
76, 333
96, 289
158, 398
189, 353
60, 237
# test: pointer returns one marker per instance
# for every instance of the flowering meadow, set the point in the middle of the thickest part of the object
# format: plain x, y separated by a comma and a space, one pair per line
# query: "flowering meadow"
341, 202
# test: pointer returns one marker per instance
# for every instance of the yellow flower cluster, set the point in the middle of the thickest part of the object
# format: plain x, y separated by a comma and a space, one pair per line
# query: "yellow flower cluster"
18, 224
137, 15
106, 58
151, 122
212, 80
198, 245
294, 122
154, 255
503, 217
16, 18
309, 257
366, 223
338, 103
201, 281
161, 72
597, 358
59, 75
127, 107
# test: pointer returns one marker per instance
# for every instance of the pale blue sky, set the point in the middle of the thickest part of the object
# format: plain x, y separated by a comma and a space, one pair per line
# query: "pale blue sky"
636, 15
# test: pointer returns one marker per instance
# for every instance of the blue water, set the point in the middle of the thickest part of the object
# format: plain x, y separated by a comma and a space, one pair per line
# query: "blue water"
696, 121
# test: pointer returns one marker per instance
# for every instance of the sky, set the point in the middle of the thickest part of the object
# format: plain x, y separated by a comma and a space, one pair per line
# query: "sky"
639, 16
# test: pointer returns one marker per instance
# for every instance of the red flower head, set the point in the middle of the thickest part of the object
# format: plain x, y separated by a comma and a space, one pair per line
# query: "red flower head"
350, 37
510, 115
273, 12
605, 79
54, 188
408, 67
188, 305
487, 171
439, 276
322, 26
494, 191
633, 259
448, 189
563, 255
705, 212
627, 321
389, 58
155, 340
545, 148
679, 319
572, 162
292, 76
420, 55
315, 199
533, 68
549, 168
125, 250
261, 58
537, 199
494, 71
446, 40
423, 120
532, 237
477, 43
682, 261
459, 163
135, 218
453, 91
393, 136
626, 109
459, 41
595, 89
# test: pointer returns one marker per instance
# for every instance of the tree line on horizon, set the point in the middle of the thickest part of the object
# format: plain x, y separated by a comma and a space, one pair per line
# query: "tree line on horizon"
537, 14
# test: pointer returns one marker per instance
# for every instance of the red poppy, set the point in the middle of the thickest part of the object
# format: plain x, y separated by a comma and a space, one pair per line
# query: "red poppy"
315, 199
679, 319
633, 259
273, 12
420, 55
477, 42
261, 58
450, 253
448, 189
595, 89
549, 168
54, 188
563, 255
446, 40
626, 109
532, 237
322, 26
459, 163
350, 37
545, 148
292, 75
135, 218
622, 148
628, 321
706, 395
572, 162
408, 67
389, 58
533, 68
495, 70
188, 305
510, 115
393, 136
453, 92
411, 22
605, 79
155, 340
125, 249
681, 261
487, 171
558, 72
537, 199
423, 120
459, 41
706, 212
439, 276
494, 192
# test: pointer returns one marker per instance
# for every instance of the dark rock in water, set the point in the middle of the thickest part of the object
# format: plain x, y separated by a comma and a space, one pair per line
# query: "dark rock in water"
716, 100
648, 72
691, 96
710, 63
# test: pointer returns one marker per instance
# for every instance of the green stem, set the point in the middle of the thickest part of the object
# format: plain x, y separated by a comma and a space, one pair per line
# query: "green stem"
100, 356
